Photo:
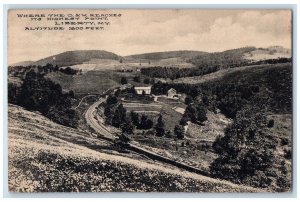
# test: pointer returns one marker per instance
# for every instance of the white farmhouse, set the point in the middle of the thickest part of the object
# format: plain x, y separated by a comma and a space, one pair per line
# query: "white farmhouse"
140, 89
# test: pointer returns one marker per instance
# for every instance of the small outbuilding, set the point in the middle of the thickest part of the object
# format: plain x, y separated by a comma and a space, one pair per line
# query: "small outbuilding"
171, 93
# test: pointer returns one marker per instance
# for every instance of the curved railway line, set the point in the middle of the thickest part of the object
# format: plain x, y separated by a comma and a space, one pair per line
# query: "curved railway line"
104, 133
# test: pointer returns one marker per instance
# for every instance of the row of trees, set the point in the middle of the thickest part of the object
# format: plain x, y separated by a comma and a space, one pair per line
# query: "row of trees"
20, 71
145, 81
39, 94
136, 79
117, 116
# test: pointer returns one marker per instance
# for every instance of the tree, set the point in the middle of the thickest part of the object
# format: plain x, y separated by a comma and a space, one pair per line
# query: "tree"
71, 94
40, 94
191, 112
119, 116
146, 81
201, 113
135, 118
123, 80
160, 127
107, 110
117, 92
127, 127
188, 100
179, 131
108, 114
145, 123
195, 112
111, 100
168, 134
149, 124
137, 79
184, 120
131, 90
246, 152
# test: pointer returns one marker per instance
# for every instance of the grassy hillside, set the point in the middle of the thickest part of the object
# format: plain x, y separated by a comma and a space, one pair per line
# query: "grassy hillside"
47, 157
23, 63
223, 59
184, 54
215, 76
76, 57
92, 82
272, 52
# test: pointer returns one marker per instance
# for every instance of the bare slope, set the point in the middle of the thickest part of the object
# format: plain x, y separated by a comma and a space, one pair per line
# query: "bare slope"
44, 156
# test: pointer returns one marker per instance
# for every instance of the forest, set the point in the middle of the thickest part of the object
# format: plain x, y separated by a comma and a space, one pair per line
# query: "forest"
247, 151
207, 64
37, 93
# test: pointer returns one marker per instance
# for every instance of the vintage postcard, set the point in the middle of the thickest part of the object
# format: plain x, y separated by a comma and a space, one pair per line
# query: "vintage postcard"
150, 100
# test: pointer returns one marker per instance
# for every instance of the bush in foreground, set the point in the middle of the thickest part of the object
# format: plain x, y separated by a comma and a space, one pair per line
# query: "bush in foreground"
247, 153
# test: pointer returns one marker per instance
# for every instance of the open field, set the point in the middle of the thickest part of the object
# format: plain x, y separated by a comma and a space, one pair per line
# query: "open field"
91, 82
44, 156
88, 83
130, 64
214, 126
166, 108
144, 109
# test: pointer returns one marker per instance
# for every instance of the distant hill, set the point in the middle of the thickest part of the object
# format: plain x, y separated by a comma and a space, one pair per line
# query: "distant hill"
183, 54
23, 63
69, 58
76, 57
238, 57
271, 52
222, 60
208, 62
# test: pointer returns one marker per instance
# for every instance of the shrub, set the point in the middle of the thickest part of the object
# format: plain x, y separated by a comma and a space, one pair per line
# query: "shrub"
246, 152
179, 131
188, 100
160, 127
123, 80
271, 123
146, 81
111, 100
137, 79
287, 153
284, 141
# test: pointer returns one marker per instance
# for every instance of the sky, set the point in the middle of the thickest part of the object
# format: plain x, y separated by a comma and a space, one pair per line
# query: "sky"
141, 31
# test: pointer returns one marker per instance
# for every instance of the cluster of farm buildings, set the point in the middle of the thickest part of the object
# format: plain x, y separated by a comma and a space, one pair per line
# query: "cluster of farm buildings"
146, 90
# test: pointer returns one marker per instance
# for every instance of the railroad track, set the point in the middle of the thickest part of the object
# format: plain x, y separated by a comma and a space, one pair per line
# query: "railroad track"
105, 134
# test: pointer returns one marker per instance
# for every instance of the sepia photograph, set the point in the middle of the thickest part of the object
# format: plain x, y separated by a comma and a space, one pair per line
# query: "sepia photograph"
150, 100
